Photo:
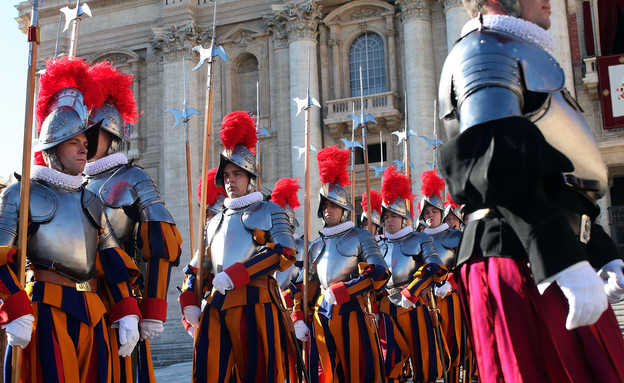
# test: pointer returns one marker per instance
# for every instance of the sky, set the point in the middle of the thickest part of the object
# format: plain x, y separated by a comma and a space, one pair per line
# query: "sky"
13, 65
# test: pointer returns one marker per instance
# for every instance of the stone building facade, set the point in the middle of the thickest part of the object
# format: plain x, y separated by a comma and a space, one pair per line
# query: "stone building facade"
288, 47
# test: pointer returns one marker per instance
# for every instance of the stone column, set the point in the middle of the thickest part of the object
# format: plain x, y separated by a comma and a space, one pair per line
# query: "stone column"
336, 71
559, 30
324, 62
392, 54
420, 82
456, 16
302, 20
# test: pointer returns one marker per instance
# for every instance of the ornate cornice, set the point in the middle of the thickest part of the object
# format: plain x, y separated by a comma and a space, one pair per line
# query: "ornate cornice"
177, 41
415, 9
299, 20
277, 26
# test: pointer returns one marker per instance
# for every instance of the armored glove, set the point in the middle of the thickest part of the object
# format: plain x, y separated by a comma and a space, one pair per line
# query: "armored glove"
192, 314
19, 330
443, 290
151, 328
612, 274
301, 330
584, 290
222, 282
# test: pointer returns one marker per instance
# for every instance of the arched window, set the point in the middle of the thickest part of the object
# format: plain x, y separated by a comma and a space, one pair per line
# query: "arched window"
367, 51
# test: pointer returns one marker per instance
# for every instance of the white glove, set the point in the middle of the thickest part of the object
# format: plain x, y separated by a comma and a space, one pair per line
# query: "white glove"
191, 331
128, 334
406, 303
192, 314
584, 290
301, 330
329, 297
19, 330
222, 282
612, 274
443, 290
151, 328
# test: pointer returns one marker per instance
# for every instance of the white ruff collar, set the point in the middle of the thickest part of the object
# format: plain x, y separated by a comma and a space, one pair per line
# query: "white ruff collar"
331, 231
401, 233
103, 164
517, 27
436, 230
240, 202
56, 178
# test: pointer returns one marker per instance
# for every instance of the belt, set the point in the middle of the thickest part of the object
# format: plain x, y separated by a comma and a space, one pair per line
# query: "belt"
58, 279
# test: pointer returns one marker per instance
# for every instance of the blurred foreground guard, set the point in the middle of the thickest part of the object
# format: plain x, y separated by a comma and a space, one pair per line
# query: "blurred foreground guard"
72, 252
525, 160
137, 214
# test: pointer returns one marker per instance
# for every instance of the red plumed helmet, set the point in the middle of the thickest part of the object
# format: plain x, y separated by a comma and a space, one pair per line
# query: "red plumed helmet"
117, 89
332, 163
396, 193
238, 128
450, 202
285, 195
214, 193
432, 188
375, 201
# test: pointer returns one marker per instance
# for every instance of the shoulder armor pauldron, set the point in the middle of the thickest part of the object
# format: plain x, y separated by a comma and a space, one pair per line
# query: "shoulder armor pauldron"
451, 238
412, 244
258, 215
212, 227
491, 61
43, 202
349, 243
94, 206
118, 190
316, 249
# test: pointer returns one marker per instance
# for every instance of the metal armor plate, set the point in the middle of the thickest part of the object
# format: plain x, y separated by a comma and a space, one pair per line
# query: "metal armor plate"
484, 77
129, 185
231, 242
69, 238
446, 243
562, 124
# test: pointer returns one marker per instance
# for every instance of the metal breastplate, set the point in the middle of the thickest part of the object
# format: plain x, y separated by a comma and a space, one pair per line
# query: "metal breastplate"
562, 124
334, 265
70, 238
446, 247
231, 242
401, 266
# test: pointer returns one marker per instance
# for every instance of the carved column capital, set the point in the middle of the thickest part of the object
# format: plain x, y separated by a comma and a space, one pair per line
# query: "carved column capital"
176, 42
415, 9
447, 4
300, 20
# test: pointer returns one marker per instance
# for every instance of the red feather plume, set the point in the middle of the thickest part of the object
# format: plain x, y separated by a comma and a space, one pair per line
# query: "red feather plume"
64, 73
332, 163
212, 191
395, 185
238, 128
375, 201
285, 192
449, 201
432, 184
117, 89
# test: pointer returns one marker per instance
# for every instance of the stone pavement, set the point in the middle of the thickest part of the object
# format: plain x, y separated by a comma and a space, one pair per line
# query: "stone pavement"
180, 372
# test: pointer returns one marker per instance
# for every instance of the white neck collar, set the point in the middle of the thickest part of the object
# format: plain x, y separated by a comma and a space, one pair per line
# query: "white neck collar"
436, 230
334, 230
240, 202
105, 163
517, 27
401, 233
56, 178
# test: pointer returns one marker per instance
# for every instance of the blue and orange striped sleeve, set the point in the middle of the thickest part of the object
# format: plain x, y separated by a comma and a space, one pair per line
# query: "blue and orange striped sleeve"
119, 273
371, 277
159, 243
15, 301
423, 278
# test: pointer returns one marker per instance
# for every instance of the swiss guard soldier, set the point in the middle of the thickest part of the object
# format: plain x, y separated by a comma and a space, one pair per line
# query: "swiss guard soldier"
241, 332
446, 242
72, 254
406, 325
524, 158
346, 267
136, 212
453, 214
376, 216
